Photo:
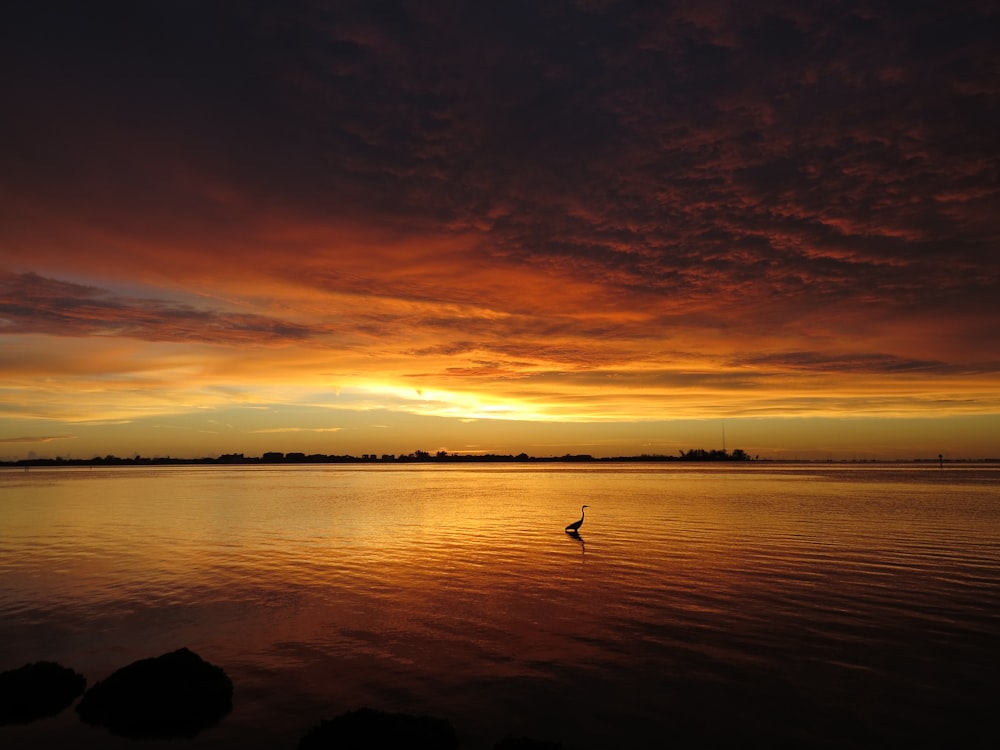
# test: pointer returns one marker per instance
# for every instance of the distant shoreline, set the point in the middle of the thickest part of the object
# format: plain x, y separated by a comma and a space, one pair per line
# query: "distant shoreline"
421, 457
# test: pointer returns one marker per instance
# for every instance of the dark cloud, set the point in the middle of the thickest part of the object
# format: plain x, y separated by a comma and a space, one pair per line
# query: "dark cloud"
775, 155
33, 304
858, 362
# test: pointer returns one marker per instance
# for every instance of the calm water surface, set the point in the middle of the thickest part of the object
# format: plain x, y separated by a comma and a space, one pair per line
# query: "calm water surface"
809, 605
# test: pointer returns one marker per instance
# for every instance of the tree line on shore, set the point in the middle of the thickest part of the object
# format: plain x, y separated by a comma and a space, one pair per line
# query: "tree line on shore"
419, 456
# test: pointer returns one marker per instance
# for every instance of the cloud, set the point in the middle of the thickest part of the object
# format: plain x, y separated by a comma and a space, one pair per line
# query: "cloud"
33, 304
563, 208
36, 439
295, 429
830, 363
639, 149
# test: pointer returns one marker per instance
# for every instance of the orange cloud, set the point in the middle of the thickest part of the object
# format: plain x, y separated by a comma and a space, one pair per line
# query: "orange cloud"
598, 212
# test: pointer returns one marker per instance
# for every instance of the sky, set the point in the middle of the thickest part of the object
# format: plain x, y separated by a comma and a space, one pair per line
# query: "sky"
572, 226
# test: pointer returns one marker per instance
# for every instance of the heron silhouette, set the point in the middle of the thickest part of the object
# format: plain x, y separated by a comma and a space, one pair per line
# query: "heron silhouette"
575, 526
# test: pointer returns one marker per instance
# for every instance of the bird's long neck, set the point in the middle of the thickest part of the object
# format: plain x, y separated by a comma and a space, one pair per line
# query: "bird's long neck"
582, 514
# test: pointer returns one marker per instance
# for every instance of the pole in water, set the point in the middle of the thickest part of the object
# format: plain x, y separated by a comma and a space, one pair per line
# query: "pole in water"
941, 460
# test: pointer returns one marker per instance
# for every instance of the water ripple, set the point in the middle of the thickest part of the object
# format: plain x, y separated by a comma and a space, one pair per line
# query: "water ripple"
871, 596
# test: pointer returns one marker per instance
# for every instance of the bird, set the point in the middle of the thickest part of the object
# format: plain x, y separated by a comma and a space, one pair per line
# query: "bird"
575, 526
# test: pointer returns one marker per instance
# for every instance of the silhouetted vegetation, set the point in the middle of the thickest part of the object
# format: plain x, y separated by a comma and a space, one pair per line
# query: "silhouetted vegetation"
418, 456
701, 454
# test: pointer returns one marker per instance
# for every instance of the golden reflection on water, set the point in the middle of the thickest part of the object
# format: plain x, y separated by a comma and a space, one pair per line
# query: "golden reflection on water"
454, 590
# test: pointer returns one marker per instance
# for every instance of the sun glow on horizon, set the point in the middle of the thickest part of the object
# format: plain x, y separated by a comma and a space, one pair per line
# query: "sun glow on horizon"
476, 254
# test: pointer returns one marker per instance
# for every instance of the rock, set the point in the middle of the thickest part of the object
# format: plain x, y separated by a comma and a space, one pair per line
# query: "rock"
37, 690
527, 743
367, 728
174, 695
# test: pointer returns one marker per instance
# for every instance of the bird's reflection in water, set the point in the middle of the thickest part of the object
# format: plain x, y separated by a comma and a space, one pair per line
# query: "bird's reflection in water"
576, 535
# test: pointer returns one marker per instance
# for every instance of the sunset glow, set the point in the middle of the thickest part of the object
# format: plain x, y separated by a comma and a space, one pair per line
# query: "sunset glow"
574, 227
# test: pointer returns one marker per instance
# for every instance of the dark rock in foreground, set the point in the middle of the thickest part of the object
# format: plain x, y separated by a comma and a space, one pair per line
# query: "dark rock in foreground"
527, 743
367, 728
37, 690
173, 695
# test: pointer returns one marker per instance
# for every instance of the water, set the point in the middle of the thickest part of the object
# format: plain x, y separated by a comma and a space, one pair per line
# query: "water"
800, 605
